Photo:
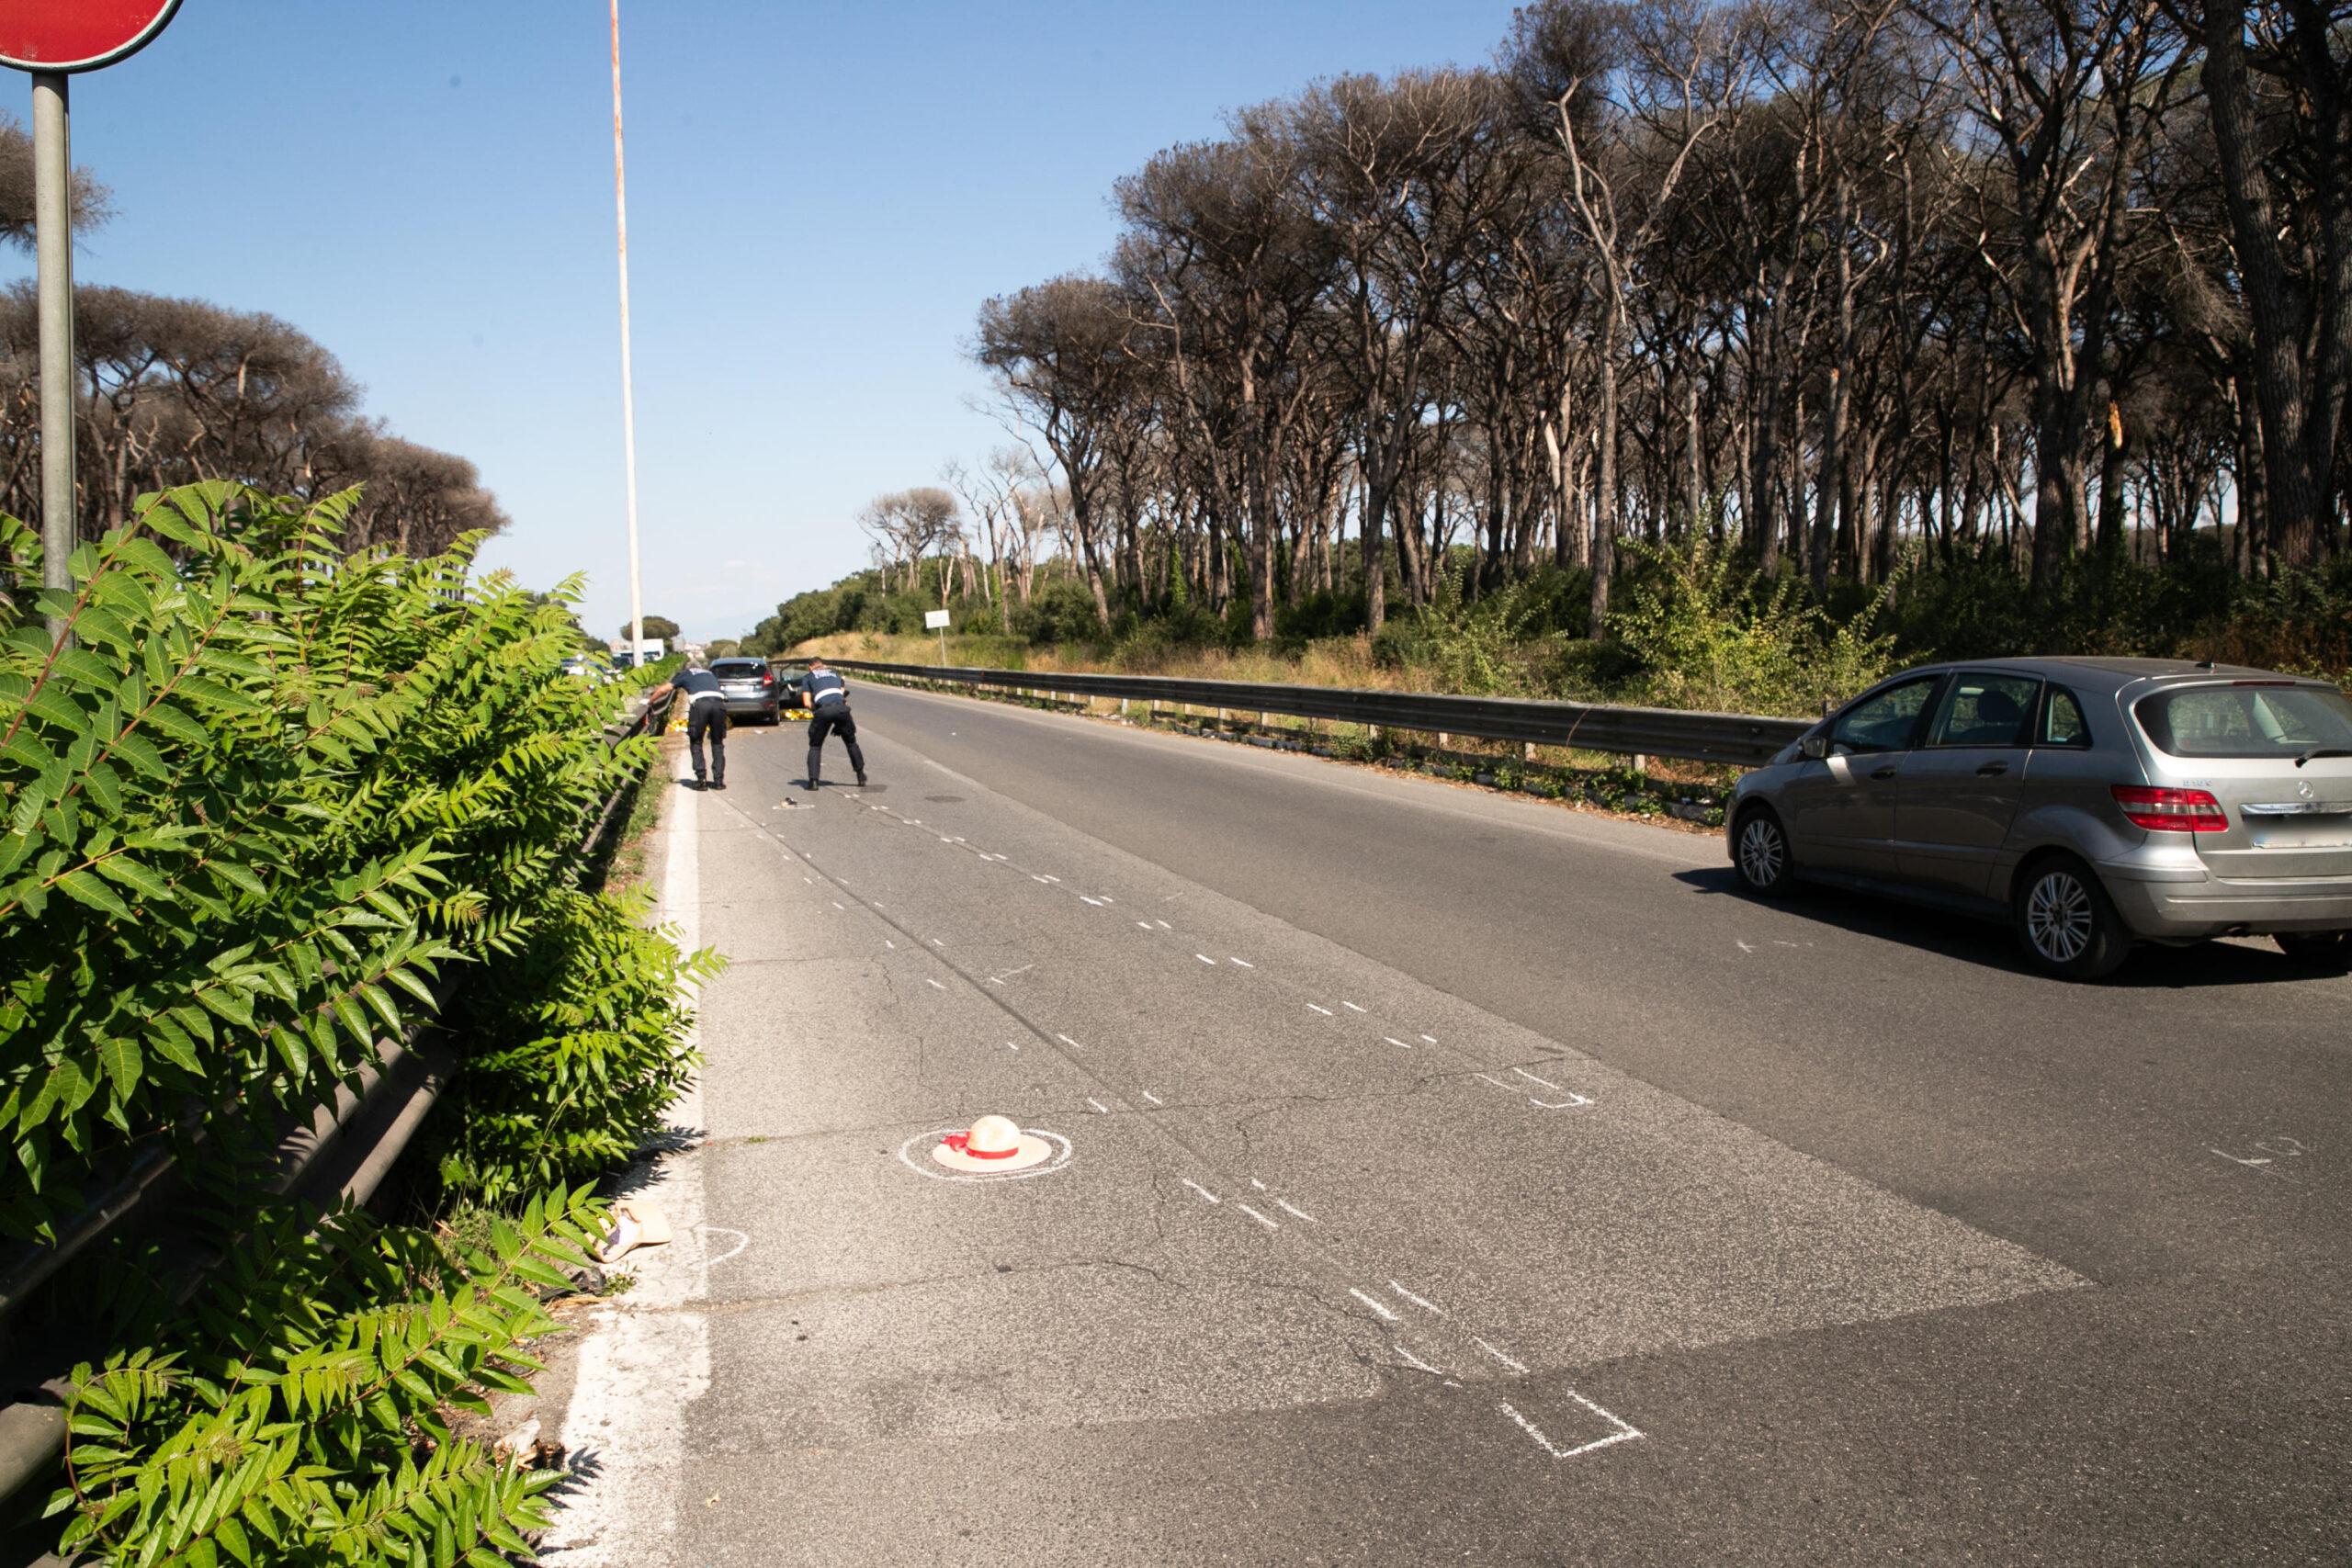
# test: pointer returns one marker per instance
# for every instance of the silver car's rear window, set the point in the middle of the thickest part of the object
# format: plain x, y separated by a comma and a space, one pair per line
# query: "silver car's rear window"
2245, 720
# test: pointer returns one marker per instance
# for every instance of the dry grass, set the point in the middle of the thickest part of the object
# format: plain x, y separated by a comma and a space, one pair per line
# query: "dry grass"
1331, 661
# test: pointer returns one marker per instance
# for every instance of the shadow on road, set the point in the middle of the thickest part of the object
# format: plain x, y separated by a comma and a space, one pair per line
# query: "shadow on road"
1989, 944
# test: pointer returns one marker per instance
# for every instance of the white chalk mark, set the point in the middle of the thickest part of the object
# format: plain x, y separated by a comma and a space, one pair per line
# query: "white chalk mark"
1430, 1307
1084, 899
1742, 946
1497, 1355
1351, 1007
2235, 1160
933, 984
838, 905
1626, 1431
1494, 1081
1375, 1304
1069, 1042
1166, 927
1206, 959
993, 980
1258, 1184
1270, 1225
1573, 1100
1531, 1078
741, 1241
1153, 1098
1415, 1362
1145, 925
1394, 1041
1100, 1108
1243, 962
1327, 1012
1035, 877
888, 944
1108, 899
1431, 1038
1201, 1189
1022, 970
1296, 1212
1012, 1047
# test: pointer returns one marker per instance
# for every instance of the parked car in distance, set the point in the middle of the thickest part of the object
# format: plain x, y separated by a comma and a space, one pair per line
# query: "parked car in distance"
2092, 803
750, 688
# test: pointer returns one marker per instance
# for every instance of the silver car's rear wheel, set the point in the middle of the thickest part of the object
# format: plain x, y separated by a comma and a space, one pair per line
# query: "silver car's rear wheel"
2064, 921
1760, 851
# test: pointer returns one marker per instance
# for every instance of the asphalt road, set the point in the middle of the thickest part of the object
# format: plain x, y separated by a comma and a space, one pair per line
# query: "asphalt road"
1446, 1178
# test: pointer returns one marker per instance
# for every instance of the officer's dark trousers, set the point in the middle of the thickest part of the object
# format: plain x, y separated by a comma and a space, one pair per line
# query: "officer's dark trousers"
709, 716
828, 721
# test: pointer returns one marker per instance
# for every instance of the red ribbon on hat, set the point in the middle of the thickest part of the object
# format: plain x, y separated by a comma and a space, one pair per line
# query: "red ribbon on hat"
962, 1143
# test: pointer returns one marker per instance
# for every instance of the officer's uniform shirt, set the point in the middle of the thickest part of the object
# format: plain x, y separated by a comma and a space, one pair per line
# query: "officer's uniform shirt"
828, 693
697, 684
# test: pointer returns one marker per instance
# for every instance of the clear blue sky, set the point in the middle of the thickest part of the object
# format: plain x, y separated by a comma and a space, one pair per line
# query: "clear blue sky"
820, 197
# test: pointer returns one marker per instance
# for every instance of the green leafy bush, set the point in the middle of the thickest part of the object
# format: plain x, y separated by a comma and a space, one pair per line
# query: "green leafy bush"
252, 811
1708, 634
303, 1417
573, 1057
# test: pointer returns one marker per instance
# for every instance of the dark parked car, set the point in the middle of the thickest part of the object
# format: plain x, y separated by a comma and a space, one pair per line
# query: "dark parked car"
750, 688
2092, 803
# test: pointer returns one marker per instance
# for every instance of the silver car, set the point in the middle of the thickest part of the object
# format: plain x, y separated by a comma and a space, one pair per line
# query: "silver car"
750, 688
2092, 803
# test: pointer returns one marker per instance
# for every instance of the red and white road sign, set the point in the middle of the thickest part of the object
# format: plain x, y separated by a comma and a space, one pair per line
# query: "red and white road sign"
77, 35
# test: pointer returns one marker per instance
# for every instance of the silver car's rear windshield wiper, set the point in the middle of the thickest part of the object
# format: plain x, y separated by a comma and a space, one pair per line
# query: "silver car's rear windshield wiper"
2323, 752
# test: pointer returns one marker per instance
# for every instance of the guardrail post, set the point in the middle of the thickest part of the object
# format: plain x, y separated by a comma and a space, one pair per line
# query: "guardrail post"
1641, 763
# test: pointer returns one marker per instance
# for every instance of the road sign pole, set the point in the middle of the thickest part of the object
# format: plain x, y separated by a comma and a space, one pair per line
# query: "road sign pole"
53, 218
628, 397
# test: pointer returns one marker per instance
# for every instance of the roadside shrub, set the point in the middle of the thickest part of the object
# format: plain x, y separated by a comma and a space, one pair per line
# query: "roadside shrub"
303, 1416
572, 1058
1709, 634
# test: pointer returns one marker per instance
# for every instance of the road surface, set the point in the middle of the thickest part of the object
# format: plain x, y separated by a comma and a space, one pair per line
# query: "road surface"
1441, 1177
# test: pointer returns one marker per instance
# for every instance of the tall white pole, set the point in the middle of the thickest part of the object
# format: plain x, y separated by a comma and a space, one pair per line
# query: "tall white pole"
54, 219
628, 397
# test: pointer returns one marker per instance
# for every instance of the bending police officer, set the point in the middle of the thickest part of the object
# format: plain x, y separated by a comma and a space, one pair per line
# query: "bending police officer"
706, 716
827, 698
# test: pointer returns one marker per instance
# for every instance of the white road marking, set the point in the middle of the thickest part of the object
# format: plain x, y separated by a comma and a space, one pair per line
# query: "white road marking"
1531, 1078
1573, 1100
1098, 903
838, 905
1394, 1041
1414, 1361
933, 984
741, 1241
1270, 1225
1497, 1355
1012, 1047
1100, 1108
1035, 876
1425, 1306
1431, 1038
1296, 1212
1166, 927
1243, 962
1206, 959
1327, 1012
888, 944
1626, 1431
1494, 1081
1069, 1042
1144, 924
1375, 1304
1201, 1189
1153, 1098
1351, 1007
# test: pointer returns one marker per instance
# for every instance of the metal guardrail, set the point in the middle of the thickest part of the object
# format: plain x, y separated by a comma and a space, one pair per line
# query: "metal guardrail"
1741, 740
340, 1151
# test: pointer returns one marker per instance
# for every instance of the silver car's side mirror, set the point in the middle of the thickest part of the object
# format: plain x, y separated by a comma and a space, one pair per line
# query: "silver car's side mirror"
1814, 747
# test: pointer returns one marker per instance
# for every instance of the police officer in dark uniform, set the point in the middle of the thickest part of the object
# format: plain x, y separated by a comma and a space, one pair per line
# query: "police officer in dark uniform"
705, 715
827, 697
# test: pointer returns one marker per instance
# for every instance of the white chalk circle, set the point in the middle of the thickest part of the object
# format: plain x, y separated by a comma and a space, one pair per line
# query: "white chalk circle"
915, 1155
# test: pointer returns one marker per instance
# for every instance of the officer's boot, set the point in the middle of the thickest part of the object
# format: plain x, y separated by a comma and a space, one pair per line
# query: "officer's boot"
816, 761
